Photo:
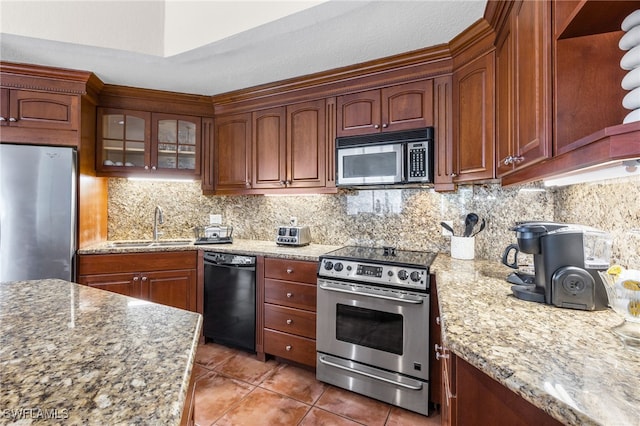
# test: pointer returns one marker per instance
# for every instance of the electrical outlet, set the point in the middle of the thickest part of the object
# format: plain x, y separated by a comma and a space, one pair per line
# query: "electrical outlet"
445, 232
215, 219
293, 221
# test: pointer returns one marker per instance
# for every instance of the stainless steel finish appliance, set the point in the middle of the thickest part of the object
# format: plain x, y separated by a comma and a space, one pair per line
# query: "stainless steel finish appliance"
229, 315
385, 158
566, 261
293, 235
373, 324
37, 212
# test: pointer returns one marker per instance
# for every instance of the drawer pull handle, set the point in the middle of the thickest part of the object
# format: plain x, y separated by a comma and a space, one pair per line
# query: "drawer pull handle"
289, 295
438, 320
289, 321
289, 270
288, 348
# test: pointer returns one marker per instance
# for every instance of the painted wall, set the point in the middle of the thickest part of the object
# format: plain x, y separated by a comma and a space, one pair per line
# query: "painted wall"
405, 218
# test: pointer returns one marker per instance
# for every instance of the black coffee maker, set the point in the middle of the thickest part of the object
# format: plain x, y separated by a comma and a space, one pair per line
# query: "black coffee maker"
566, 260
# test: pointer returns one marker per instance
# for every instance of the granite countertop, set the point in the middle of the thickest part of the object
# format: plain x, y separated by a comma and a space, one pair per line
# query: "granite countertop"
566, 362
249, 247
77, 355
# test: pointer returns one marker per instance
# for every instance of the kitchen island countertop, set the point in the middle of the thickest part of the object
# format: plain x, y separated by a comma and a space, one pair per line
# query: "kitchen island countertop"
566, 362
310, 252
76, 355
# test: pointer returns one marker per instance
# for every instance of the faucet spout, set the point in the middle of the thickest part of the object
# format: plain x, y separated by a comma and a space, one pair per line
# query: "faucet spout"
158, 218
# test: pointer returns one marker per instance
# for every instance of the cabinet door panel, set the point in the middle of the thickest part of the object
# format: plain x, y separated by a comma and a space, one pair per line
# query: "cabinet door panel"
359, 113
306, 144
290, 320
233, 152
292, 294
176, 143
126, 284
473, 94
295, 348
505, 145
269, 148
43, 110
171, 288
407, 106
443, 123
532, 46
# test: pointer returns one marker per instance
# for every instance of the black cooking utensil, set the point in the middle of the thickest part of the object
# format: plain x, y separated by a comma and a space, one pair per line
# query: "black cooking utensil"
469, 222
447, 227
482, 225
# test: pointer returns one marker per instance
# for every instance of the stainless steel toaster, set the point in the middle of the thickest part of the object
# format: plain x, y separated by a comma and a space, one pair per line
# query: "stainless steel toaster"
293, 235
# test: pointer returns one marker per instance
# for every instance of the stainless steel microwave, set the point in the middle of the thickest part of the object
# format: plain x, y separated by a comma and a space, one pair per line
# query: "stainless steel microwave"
385, 158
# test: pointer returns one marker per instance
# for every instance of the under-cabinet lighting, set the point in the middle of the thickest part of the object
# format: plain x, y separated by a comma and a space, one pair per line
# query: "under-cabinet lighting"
601, 172
158, 179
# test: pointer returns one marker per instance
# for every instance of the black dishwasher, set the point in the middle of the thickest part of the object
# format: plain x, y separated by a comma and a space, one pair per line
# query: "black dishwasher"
230, 300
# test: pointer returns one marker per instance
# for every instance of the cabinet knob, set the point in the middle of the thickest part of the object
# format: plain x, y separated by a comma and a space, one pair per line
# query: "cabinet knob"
288, 348
439, 355
288, 182
283, 182
153, 168
376, 126
289, 270
144, 278
454, 174
438, 320
289, 295
136, 278
437, 347
247, 184
508, 160
3, 119
289, 321
518, 159
146, 167
385, 125
12, 119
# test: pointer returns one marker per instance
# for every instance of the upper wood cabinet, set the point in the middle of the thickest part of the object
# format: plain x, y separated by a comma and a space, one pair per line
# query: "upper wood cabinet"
523, 87
269, 148
473, 119
400, 107
443, 124
232, 153
139, 142
30, 109
306, 144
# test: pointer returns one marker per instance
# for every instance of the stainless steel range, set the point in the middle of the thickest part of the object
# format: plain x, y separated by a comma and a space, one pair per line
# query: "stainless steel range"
373, 324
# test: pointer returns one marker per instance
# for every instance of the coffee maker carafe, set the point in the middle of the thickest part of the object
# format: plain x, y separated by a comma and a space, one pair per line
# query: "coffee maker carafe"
566, 261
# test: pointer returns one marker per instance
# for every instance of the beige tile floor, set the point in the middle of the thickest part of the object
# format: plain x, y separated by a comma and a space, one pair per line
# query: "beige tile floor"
234, 388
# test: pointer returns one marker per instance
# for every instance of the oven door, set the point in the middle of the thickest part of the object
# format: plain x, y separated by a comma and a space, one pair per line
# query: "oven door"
379, 327
370, 165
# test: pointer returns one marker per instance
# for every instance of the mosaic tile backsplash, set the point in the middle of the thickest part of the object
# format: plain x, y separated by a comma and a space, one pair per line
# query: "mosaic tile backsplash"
406, 218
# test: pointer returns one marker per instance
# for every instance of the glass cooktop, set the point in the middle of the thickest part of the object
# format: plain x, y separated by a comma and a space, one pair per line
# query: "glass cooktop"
389, 255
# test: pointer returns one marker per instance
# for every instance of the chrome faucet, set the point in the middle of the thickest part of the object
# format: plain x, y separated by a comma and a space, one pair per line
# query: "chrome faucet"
158, 218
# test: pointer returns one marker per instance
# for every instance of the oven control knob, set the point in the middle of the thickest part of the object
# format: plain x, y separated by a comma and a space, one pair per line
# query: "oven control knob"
328, 265
390, 273
415, 276
402, 274
349, 267
338, 267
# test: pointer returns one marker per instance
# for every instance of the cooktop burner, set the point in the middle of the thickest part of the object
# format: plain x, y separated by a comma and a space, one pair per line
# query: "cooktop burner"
389, 255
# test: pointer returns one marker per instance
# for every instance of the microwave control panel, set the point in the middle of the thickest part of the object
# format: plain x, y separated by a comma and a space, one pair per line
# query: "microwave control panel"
418, 167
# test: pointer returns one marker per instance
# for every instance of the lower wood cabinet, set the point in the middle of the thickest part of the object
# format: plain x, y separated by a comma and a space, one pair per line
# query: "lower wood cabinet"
290, 310
168, 278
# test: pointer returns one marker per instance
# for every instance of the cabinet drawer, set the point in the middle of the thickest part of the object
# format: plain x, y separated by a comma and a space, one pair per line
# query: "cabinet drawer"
291, 270
294, 348
290, 320
286, 293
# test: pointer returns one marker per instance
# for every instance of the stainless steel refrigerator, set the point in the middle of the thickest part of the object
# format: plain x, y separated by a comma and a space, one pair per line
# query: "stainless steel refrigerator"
37, 212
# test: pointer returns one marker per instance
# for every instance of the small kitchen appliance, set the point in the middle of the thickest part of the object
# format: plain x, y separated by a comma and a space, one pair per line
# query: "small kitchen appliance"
372, 328
385, 158
566, 259
293, 236
214, 234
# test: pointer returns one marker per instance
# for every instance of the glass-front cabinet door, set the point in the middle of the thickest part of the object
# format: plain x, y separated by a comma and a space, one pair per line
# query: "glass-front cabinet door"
123, 139
176, 139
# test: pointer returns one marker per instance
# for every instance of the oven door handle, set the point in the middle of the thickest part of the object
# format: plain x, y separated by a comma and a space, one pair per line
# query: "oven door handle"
408, 299
323, 360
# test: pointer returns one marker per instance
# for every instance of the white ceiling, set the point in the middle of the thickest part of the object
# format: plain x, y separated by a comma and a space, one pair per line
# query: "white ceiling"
212, 47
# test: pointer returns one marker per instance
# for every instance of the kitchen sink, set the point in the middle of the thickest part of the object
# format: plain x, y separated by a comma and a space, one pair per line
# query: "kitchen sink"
140, 244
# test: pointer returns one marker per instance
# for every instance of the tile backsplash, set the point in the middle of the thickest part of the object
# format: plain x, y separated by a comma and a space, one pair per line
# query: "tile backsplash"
405, 218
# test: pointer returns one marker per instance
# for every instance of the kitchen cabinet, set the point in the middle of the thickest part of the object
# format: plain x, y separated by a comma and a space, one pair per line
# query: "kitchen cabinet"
232, 153
269, 148
523, 87
290, 310
399, 107
139, 142
168, 278
41, 110
435, 345
473, 112
443, 126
